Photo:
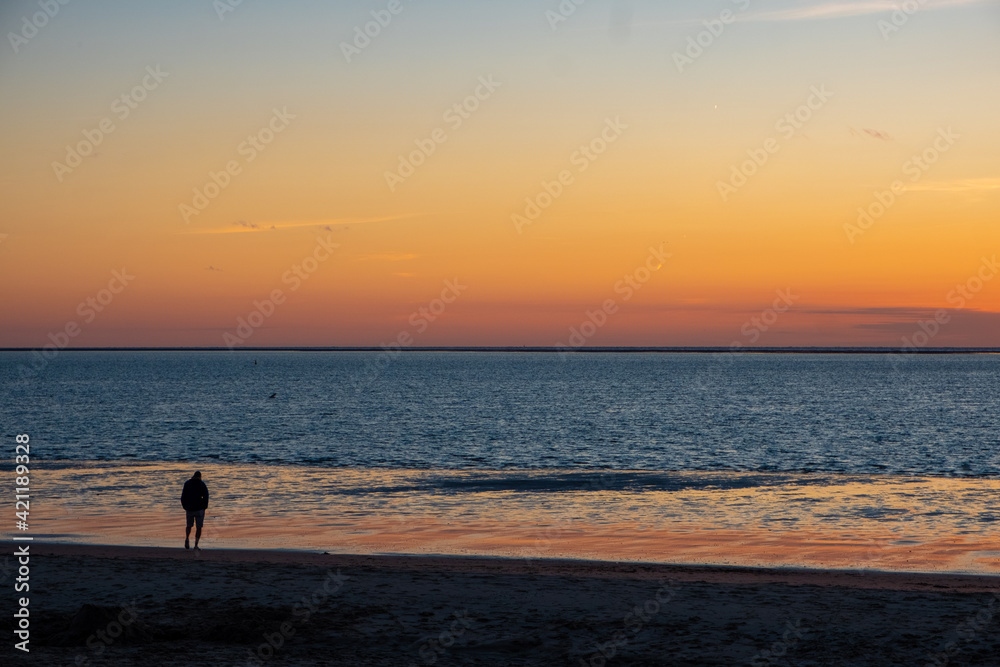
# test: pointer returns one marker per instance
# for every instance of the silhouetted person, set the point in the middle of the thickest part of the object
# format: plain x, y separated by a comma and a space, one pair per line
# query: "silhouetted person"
194, 499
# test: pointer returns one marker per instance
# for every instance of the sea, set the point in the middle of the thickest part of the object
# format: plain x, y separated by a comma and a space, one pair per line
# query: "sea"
865, 461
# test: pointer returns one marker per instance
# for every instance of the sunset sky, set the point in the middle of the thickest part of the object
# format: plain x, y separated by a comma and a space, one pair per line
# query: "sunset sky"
310, 117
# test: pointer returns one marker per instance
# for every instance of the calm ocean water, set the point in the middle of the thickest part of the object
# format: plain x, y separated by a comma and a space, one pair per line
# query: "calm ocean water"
857, 414
856, 461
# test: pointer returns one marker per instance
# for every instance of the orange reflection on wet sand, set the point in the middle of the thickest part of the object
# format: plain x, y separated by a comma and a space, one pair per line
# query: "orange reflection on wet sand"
619, 542
911, 524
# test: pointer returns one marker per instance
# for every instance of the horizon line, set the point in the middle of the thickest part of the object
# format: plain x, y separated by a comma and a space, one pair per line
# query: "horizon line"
692, 349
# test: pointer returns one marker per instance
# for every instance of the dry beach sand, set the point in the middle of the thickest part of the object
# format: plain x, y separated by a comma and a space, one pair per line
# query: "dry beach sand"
94, 605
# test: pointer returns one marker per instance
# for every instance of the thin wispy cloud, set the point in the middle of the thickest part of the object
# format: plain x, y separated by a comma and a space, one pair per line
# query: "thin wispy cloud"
387, 257
960, 186
801, 11
870, 133
900, 312
244, 227
967, 317
847, 8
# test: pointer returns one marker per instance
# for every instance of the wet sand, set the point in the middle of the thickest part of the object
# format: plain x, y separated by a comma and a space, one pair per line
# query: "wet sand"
741, 519
226, 607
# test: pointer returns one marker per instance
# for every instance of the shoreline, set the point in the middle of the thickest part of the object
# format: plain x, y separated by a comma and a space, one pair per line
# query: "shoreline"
478, 564
553, 350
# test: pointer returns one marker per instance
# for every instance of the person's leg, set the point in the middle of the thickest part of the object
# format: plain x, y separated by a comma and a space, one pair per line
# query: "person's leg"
199, 521
187, 533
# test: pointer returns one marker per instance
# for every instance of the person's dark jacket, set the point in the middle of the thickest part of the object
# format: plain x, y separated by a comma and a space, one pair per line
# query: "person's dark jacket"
194, 497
